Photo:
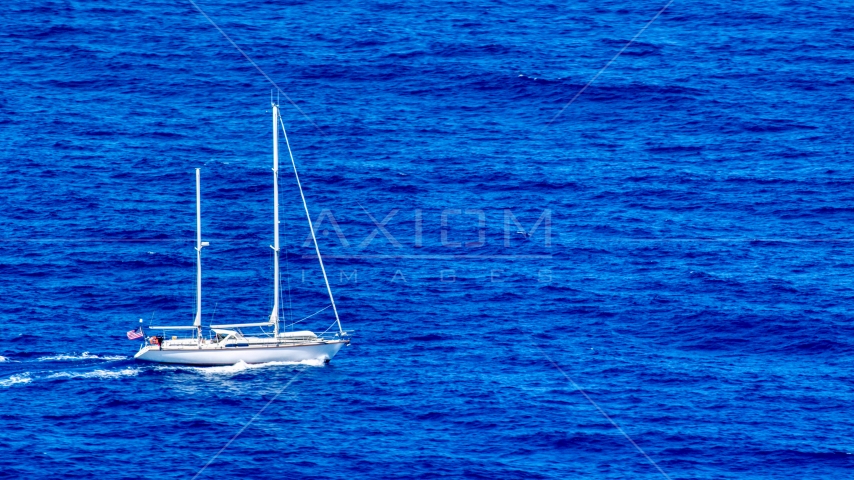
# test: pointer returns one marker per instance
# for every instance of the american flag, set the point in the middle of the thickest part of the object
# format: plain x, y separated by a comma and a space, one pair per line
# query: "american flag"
135, 334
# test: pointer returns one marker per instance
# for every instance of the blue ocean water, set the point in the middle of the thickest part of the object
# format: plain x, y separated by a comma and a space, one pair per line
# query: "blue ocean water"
690, 270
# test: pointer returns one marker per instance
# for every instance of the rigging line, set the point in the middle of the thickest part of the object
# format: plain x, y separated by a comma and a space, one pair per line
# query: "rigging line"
271, 267
284, 318
601, 71
239, 432
280, 313
195, 298
333, 324
282, 306
288, 279
311, 228
313, 314
258, 68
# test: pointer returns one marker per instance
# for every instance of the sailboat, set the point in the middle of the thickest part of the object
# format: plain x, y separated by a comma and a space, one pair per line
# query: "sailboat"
227, 344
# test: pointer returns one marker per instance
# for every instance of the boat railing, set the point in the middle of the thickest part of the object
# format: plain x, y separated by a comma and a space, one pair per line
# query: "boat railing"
191, 341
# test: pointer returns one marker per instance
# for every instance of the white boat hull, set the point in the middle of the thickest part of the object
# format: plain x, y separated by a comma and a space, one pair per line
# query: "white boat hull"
232, 355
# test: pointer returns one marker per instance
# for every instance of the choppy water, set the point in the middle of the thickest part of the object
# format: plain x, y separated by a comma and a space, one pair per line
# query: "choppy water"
694, 278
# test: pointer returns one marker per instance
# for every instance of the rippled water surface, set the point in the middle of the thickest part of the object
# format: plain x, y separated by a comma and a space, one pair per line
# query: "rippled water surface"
691, 270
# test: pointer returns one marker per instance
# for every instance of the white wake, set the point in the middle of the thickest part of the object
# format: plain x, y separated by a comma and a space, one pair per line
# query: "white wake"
19, 378
104, 374
82, 356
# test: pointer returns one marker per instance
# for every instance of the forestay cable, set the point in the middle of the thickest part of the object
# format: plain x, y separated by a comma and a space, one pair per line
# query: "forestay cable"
311, 227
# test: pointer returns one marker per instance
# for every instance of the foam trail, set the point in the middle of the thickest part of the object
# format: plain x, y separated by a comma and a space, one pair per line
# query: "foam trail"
19, 378
82, 356
3, 359
103, 374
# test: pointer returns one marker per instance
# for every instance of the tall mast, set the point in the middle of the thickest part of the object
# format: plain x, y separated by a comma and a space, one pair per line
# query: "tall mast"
274, 316
311, 228
198, 321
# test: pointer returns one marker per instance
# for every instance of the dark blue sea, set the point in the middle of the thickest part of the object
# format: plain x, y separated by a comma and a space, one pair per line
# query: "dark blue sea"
651, 279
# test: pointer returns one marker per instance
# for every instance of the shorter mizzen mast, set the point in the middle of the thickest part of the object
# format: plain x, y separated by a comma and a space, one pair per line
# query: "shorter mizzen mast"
197, 322
310, 226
